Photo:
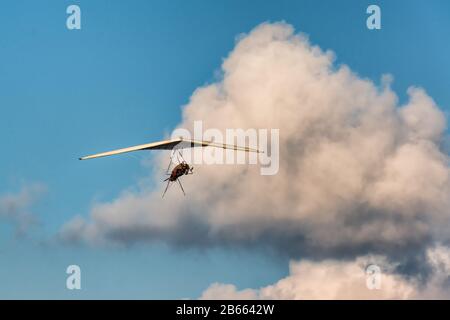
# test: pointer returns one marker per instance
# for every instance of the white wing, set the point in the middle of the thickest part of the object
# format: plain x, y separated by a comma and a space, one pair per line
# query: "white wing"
169, 145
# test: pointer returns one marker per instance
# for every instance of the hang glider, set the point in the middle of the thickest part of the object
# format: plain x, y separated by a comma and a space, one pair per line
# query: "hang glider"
179, 143
182, 168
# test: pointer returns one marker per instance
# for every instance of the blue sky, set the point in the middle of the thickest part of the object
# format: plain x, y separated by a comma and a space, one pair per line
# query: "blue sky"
121, 80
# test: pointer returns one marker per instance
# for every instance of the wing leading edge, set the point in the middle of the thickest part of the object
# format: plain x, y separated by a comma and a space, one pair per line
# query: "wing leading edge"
169, 145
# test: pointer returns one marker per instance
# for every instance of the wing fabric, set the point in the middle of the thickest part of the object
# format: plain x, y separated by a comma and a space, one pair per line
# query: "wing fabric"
161, 145
170, 145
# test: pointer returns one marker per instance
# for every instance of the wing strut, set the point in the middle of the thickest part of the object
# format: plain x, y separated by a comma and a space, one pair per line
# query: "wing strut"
181, 186
167, 187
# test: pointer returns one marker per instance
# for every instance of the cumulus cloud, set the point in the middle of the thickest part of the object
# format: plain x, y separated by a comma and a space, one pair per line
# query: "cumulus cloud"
335, 279
358, 172
15, 208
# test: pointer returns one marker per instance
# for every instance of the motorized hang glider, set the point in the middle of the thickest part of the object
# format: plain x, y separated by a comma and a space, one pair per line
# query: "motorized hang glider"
182, 168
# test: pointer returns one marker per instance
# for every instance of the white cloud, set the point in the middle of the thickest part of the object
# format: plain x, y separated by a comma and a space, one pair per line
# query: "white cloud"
334, 279
15, 207
359, 173
218, 291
